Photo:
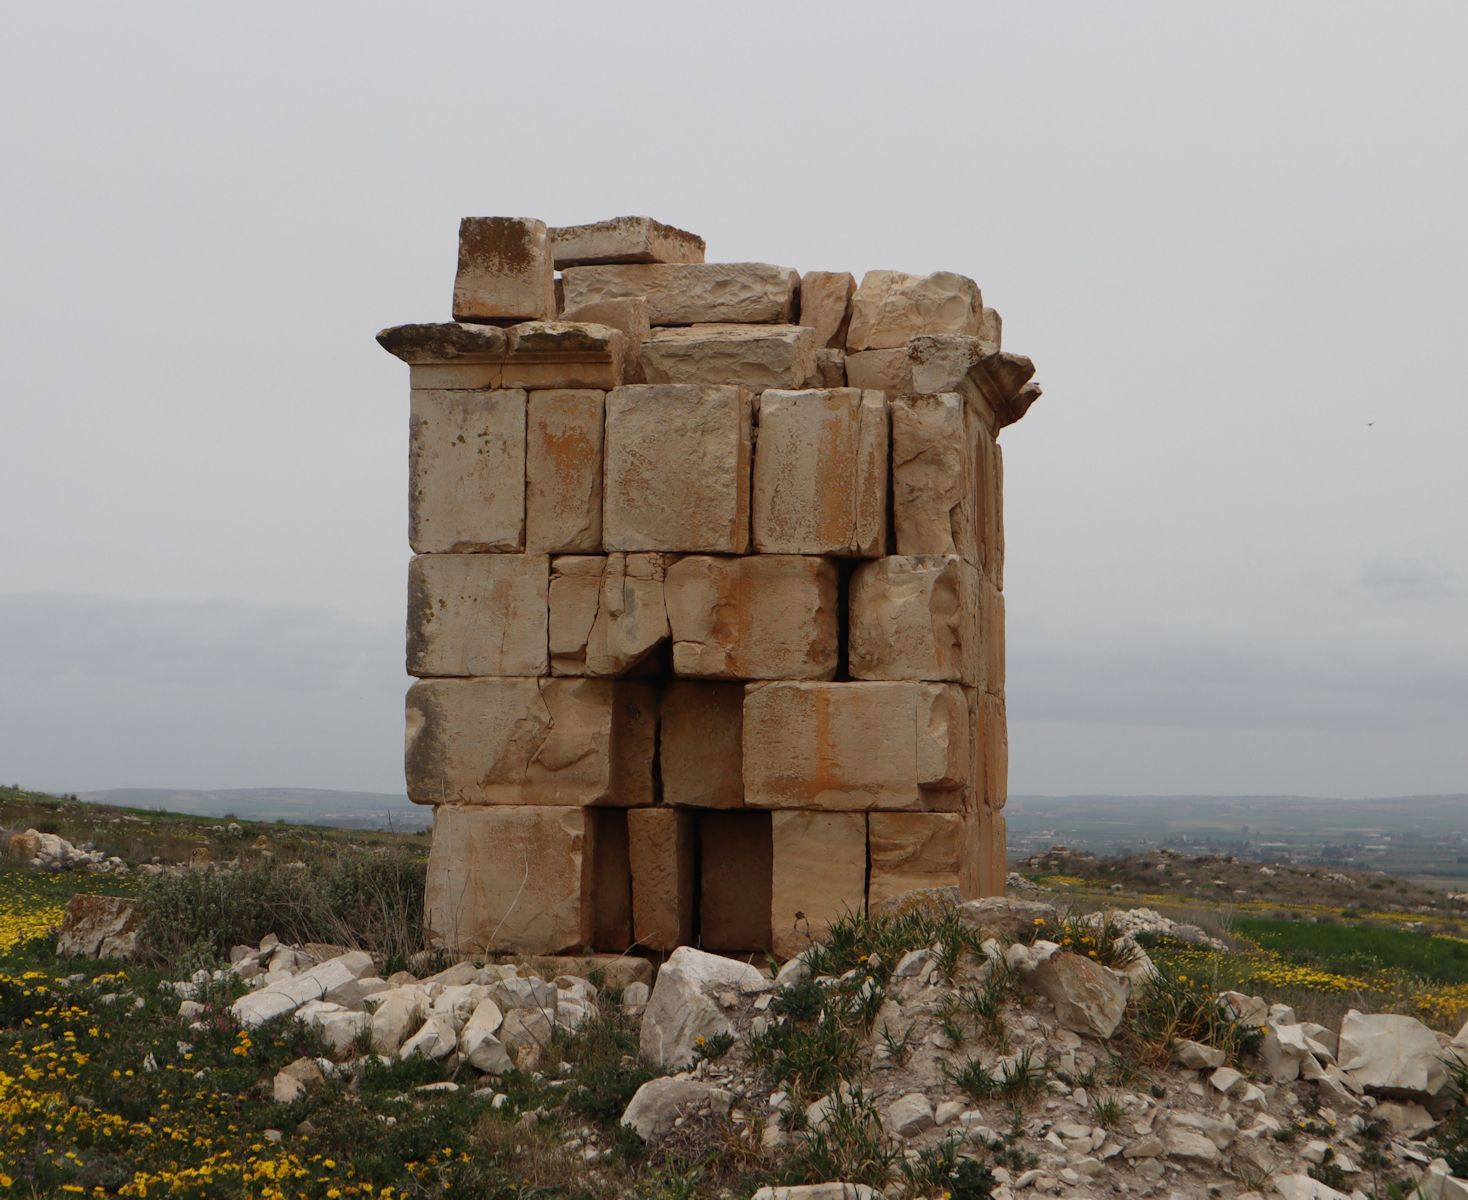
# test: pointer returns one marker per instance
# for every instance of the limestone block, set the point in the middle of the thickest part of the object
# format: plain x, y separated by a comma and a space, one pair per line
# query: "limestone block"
661, 843
505, 271
992, 781
991, 327
916, 617
770, 616
752, 356
1019, 404
818, 874
820, 473
825, 305
611, 880
701, 744
734, 880
466, 467
854, 746
563, 442
629, 318
535, 354
439, 342
691, 293
510, 879
991, 609
830, 368
477, 614
677, 468
944, 363
933, 477
528, 742
624, 240
910, 851
607, 612
881, 370
891, 306
988, 491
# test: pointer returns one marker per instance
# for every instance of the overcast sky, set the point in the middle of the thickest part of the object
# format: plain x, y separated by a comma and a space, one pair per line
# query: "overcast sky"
1232, 237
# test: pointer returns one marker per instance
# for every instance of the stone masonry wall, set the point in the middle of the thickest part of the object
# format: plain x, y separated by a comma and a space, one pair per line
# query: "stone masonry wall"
706, 609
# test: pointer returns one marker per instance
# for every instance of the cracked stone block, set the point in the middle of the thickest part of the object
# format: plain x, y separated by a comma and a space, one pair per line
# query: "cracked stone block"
769, 616
991, 629
629, 318
891, 306
529, 742
624, 240
477, 614
701, 744
916, 617
563, 452
910, 851
466, 469
691, 293
855, 746
611, 880
734, 880
677, 468
818, 874
820, 473
880, 370
825, 305
993, 734
934, 496
505, 270
983, 867
510, 879
752, 356
663, 847
607, 612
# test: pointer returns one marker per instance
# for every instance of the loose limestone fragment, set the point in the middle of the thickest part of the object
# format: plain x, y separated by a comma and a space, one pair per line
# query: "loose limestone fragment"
624, 240
916, 618
770, 616
466, 467
825, 305
1088, 997
563, 454
691, 293
477, 614
700, 747
1392, 1053
661, 845
910, 852
891, 306
683, 1008
752, 356
505, 271
818, 875
820, 473
607, 613
854, 746
933, 477
661, 1103
677, 468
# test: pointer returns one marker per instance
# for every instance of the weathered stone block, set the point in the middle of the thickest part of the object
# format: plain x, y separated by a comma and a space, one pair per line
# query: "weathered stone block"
880, 370
466, 468
629, 318
505, 271
854, 746
563, 451
516, 879
911, 851
677, 468
820, 473
830, 368
752, 356
916, 617
991, 607
662, 845
528, 742
691, 293
933, 477
624, 240
825, 305
735, 880
989, 512
992, 785
991, 327
441, 342
477, 614
771, 616
891, 306
611, 880
818, 874
701, 745
635, 714
607, 612
983, 868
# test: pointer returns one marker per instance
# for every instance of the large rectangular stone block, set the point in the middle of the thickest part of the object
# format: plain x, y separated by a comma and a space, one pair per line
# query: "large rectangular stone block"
912, 851
510, 879
988, 517
624, 240
820, 473
611, 880
466, 468
607, 612
880, 370
663, 851
818, 874
991, 608
934, 490
505, 271
701, 744
532, 354
770, 616
477, 614
891, 306
752, 356
734, 880
691, 293
825, 305
559, 742
677, 468
993, 735
629, 318
916, 617
983, 866
563, 452
855, 746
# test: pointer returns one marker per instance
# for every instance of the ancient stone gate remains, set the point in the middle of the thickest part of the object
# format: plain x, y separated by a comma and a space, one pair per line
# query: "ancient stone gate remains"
706, 606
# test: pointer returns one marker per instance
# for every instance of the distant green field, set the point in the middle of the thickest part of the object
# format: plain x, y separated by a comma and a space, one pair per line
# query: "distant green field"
1360, 948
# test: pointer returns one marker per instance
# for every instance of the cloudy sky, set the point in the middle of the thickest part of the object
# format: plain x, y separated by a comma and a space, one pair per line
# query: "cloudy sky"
1231, 236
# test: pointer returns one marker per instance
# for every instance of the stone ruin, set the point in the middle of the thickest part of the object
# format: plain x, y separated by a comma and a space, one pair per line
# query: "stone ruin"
706, 607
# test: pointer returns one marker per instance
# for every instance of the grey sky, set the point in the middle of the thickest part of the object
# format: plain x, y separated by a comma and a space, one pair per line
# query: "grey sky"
1231, 236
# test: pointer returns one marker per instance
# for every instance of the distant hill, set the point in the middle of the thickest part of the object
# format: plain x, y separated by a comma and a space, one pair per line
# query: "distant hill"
301, 806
